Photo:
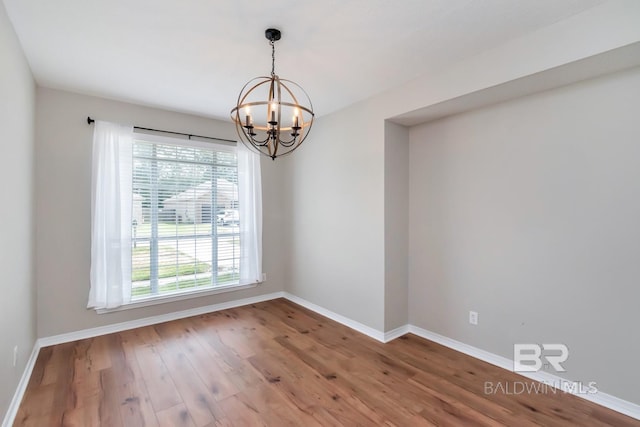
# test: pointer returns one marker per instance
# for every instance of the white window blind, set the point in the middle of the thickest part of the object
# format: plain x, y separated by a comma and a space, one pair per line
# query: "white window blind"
185, 220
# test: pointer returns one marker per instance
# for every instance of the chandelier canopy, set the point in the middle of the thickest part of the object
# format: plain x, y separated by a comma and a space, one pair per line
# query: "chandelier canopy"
273, 116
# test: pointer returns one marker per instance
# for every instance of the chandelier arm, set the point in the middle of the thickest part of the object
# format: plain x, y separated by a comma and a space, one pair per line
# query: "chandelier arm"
289, 143
250, 138
261, 143
246, 137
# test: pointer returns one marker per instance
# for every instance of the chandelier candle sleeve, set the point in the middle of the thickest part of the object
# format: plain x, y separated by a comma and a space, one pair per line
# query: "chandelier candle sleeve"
273, 98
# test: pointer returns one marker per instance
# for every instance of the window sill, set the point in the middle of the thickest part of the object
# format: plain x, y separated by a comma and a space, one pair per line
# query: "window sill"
163, 299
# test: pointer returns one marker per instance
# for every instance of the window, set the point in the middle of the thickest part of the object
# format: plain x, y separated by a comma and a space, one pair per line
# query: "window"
171, 217
185, 221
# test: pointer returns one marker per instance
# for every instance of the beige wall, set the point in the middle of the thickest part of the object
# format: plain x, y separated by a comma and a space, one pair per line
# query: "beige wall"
396, 231
63, 198
335, 214
528, 212
17, 305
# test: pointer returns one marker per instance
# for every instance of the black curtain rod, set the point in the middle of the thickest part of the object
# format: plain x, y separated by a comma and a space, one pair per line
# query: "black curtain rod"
90, 120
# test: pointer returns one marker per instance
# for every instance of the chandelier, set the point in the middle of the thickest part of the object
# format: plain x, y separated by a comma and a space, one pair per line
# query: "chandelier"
272, 116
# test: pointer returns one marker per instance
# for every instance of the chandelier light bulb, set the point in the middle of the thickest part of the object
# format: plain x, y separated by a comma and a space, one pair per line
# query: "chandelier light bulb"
247, 112
294, 119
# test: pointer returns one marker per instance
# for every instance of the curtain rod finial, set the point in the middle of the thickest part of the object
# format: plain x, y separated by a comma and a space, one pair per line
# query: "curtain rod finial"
89, 120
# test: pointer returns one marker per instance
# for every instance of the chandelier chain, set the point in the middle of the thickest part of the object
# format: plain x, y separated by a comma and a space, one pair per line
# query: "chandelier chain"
273, 58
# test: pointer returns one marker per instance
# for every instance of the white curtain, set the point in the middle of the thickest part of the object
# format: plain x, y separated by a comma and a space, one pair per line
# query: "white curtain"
111, 204
250, 211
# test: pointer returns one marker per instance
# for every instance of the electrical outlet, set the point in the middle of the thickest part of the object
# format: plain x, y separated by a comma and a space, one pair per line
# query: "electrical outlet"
264, 277
15, 356
473, 317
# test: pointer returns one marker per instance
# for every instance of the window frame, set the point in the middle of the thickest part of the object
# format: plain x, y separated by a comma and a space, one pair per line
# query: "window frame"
198, 291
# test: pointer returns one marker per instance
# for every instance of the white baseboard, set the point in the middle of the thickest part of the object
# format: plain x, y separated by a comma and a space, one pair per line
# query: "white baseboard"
396, 333
364, 329
138, 323
10, 416
494, 359
600, 398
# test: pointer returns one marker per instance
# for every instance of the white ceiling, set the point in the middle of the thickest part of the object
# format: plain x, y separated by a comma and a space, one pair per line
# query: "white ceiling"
195, 55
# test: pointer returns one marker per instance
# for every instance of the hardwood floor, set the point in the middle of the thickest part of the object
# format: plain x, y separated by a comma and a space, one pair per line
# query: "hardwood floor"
278, 364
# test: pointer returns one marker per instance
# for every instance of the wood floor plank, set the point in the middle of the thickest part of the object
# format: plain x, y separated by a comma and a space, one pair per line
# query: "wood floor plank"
241, 412
278, 364
215, 380
136, 400
109, 411
275, 409
311, 393
86, 385
198, 399
312, 376
345, 386
64, 399
472, 400
206, 327
159, 384
39, 400
175, 416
